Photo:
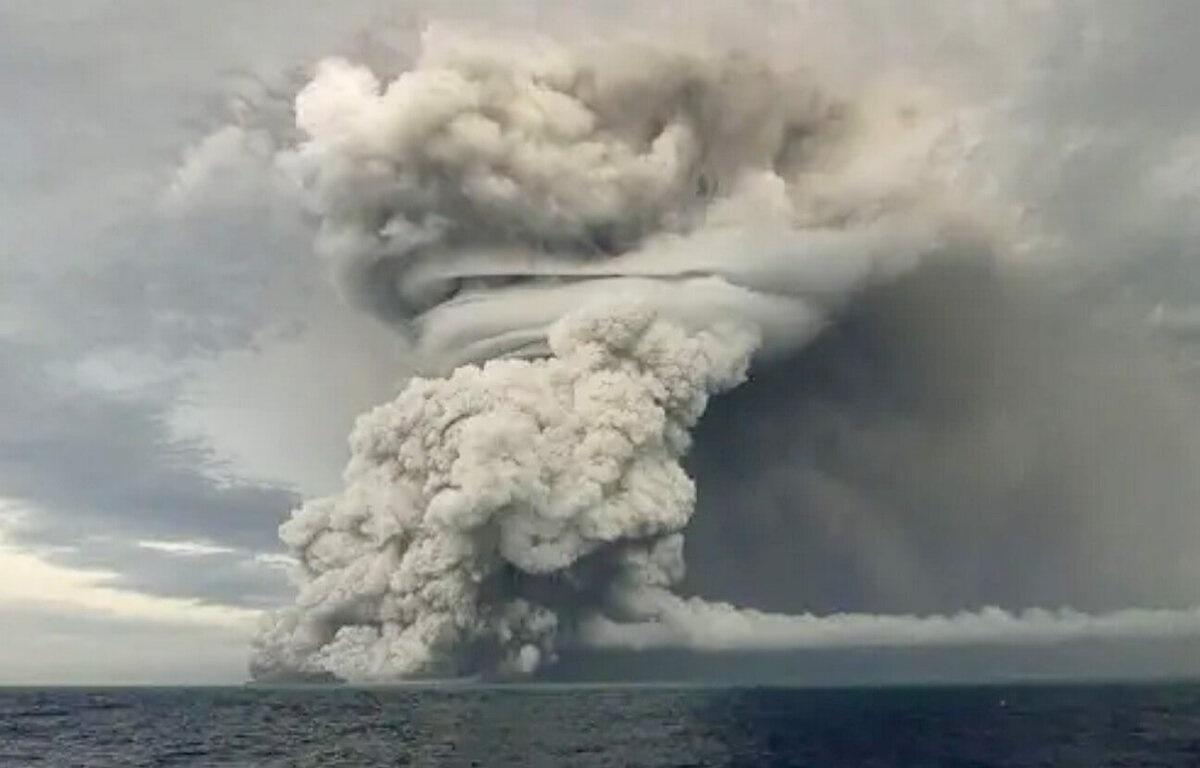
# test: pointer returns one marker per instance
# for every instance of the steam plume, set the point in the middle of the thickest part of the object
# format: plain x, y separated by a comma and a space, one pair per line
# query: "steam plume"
599, 240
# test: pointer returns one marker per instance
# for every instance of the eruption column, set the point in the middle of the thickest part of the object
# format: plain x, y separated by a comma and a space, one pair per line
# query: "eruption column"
599, 240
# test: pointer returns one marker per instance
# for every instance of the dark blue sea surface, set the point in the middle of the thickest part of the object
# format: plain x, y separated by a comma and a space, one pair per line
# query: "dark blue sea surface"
1086, 726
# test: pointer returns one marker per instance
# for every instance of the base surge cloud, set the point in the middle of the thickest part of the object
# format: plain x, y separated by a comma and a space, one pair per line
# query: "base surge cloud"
583, 245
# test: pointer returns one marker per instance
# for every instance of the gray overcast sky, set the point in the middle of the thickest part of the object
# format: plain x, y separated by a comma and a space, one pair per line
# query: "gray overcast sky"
175, 371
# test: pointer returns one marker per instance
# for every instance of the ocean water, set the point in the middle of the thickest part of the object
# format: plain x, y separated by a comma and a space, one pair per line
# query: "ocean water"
1086, 726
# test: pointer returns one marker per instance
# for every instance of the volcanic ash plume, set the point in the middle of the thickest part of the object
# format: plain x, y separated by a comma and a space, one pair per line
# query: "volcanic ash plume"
602, 239
480, 196
468, 496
